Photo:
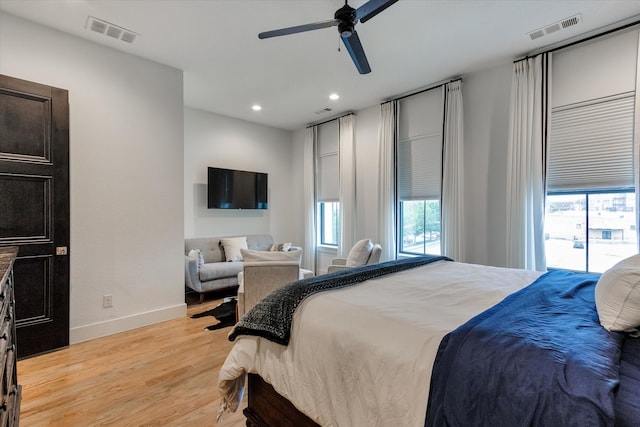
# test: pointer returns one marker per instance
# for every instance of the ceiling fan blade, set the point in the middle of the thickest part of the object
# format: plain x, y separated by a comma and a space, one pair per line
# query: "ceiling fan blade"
354, 47
298, 29
372, 8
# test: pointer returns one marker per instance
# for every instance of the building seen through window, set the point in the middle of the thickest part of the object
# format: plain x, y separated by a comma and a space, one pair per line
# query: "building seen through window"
590, 231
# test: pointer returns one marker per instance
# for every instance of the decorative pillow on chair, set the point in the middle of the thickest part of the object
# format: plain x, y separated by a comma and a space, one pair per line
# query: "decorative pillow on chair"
281, 247
359, 254
618, 296
232, 247
197, 254
259, 256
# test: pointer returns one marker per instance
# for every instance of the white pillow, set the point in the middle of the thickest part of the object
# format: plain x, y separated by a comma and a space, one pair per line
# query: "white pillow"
232, 247
359, 254
282, 247
618, 296
197, 254
258, 256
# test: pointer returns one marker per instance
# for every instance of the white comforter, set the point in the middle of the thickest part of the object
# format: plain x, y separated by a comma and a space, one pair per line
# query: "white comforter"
362, 356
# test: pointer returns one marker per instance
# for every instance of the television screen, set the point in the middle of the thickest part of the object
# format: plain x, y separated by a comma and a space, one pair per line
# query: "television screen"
235, 189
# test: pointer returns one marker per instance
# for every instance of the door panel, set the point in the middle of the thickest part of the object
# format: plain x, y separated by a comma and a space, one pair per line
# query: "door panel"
26, 202
34, 212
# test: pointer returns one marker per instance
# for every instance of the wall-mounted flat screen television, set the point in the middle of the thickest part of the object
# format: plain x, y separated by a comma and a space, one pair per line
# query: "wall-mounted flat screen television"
235, 189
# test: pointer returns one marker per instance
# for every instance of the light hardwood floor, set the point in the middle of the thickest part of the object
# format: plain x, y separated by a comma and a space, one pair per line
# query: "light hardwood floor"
159, 375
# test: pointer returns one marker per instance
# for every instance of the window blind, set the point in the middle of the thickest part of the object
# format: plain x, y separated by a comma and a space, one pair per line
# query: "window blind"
420, 167
328, 178
591, 145
419, 146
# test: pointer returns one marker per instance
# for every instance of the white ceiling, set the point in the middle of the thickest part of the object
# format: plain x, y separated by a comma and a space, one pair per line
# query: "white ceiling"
412, 44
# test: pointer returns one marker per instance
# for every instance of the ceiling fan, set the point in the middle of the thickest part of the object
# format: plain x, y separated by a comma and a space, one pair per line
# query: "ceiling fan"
345, 19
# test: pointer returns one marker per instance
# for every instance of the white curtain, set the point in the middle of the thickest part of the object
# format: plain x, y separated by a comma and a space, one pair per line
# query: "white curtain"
636, 146
527, 164
387, 180
347, 193
453, 233
309, 253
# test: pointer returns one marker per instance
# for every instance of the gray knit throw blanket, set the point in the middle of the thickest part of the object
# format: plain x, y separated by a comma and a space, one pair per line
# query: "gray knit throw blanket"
271, 317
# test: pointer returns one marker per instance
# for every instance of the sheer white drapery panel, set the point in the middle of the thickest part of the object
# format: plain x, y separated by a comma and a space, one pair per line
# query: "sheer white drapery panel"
453, 232
386, 180
636, 146
347, 184
309, 254
526, 164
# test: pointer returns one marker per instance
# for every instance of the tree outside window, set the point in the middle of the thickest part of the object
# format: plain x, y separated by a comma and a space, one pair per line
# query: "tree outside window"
420, 227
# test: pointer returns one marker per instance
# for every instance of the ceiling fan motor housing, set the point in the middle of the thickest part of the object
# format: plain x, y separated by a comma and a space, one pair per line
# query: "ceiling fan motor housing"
347, 17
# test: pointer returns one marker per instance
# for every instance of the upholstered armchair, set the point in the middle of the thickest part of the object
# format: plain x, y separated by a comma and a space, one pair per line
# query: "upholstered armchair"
265, 271
362, 253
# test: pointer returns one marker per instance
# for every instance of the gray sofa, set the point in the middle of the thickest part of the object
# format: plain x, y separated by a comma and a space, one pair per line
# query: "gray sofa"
216, 273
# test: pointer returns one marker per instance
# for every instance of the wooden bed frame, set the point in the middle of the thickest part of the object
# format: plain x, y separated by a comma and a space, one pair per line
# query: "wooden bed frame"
267, 408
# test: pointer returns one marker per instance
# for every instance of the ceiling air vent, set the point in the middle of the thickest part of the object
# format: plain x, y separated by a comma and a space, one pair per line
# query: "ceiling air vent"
111, 30
570, 22
324, 111
536, 34
556, 26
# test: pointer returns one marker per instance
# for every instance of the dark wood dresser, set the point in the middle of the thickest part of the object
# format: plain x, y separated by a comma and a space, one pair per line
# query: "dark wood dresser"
11, 391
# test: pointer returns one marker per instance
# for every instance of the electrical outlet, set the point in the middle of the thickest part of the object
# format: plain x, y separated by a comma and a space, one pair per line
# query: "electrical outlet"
107, 301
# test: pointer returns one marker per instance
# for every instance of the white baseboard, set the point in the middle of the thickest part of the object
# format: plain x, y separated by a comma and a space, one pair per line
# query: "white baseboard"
121, 324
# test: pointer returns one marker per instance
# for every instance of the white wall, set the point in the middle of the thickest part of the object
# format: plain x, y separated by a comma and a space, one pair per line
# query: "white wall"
126, 132
219, 141
486, 127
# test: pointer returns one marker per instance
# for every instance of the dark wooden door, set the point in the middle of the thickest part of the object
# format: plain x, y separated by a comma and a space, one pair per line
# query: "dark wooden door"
34, 209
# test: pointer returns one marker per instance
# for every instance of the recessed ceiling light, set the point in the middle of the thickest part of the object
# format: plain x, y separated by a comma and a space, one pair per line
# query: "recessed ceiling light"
334, 97
256, 107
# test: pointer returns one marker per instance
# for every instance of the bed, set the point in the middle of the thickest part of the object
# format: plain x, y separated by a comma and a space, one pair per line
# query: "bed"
369, 347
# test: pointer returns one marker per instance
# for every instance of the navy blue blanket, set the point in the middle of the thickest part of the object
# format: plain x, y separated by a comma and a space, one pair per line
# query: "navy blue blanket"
628, 395
538, 358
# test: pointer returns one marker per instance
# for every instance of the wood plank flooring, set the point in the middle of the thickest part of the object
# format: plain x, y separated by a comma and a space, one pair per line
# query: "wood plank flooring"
159, 375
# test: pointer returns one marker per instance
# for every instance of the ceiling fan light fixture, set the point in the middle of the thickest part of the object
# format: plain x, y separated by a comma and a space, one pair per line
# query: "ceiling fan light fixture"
346, 28
345, 34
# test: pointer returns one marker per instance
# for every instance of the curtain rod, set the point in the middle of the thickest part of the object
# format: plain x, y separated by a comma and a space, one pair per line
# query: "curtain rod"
582, 40
436, 86
330, 120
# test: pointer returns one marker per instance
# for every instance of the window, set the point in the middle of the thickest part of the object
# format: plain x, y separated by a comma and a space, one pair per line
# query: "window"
419, 173
329, 215
420, 225
590, 208
591, 216
328, 183
589, 231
